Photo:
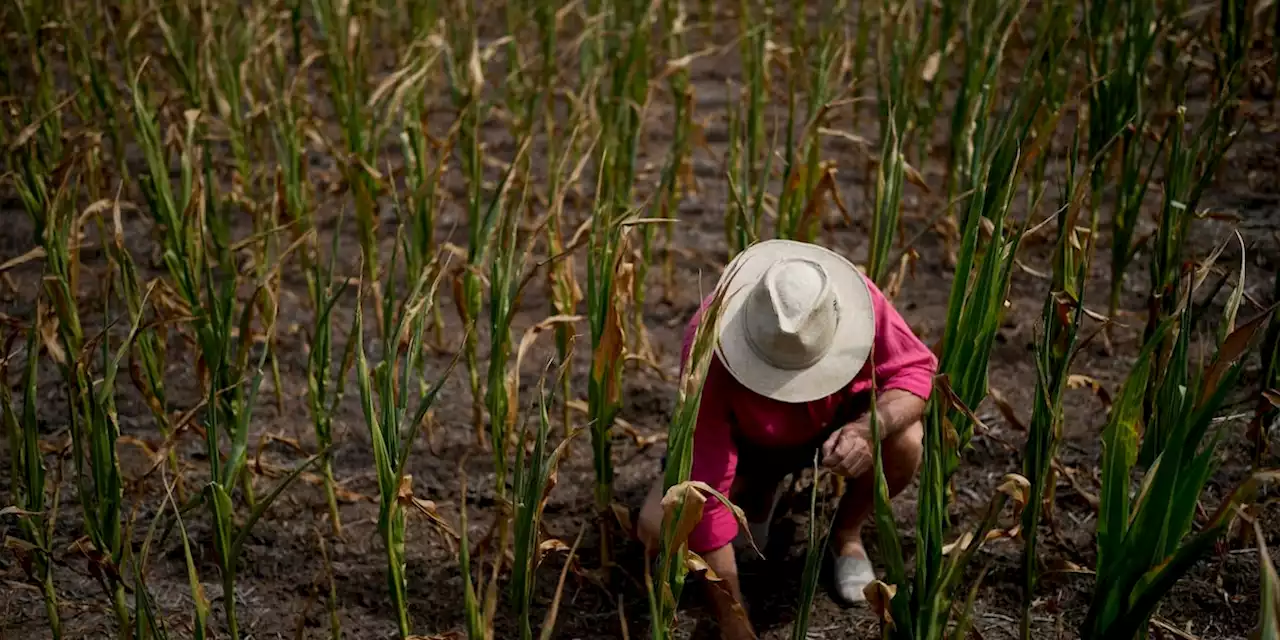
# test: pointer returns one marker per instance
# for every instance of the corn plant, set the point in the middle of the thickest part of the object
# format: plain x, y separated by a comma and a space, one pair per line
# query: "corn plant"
890, 174
674, 168
534, 477
819, 533
923, 608
984, 27
813, 69
749, 162
96, 101
505, 271
478, 608
425, 161
565, 294
385, 399
345, 53
224, 336
1190, 166
621, 102
683, 500
1145, 540
1060, 320
326, 386
234, 32
1121, 39
899, 76
466, 78
27, 469
677, 172
91, 402
148, 357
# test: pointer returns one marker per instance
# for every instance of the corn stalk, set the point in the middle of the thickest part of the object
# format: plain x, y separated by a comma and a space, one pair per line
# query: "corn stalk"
683, 500
385, 398
812, 69
466, 77
341, 29
534, 477
998, 152
1055, 350
224, 335
819, 533
621, 102
27, 469
1145, 540
1190, 166
749, 161
1120, 40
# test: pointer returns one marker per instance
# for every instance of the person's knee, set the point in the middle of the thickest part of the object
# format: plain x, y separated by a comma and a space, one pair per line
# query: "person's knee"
906, 449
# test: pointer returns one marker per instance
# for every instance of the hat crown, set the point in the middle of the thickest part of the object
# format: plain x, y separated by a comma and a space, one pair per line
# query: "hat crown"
792, 314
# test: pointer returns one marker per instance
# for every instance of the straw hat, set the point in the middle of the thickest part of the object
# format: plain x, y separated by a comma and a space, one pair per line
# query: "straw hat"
797, 323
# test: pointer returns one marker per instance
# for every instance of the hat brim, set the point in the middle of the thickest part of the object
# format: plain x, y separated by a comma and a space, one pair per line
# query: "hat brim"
849, 350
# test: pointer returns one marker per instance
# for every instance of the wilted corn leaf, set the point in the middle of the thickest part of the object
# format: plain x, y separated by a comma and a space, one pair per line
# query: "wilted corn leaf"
879, 595
622, 514
1233, 347
695, 564
682, 507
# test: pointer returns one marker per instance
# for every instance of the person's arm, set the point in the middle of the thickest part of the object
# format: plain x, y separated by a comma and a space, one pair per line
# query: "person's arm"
902, 368
848, 450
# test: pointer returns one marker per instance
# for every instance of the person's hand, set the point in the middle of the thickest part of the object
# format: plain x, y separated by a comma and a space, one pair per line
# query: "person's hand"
848, 451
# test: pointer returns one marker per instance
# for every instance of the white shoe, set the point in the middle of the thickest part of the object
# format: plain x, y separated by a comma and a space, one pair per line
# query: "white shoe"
852, 575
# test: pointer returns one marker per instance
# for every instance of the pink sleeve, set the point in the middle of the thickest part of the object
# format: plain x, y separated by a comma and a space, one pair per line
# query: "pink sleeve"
715, 455
902, 361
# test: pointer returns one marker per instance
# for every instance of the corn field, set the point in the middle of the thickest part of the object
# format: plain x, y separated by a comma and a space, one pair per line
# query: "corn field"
362, 318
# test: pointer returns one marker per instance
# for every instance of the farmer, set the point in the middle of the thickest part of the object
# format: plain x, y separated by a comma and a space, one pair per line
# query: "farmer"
802, 335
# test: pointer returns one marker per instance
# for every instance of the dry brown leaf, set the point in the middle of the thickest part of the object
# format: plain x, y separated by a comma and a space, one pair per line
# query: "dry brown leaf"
31, 129
695, 564
960, 544
879, 595
914, 176
34, 254
15, 511
47, 323
1016, 487
1272, 396
929, 70
425, 507
609, 350
551, 544
682, 509
1062, 565
623, 515
1076, 381
1007, 411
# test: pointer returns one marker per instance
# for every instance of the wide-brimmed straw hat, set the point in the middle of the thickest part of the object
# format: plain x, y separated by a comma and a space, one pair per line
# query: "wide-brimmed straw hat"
797, 323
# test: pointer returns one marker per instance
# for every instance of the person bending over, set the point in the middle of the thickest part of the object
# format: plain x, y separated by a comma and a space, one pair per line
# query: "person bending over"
802, 336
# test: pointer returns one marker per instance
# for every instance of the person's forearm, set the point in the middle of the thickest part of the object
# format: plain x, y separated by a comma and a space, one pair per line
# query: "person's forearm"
895, 410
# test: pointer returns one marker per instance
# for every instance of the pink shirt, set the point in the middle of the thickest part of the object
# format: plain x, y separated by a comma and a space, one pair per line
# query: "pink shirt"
899, 361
